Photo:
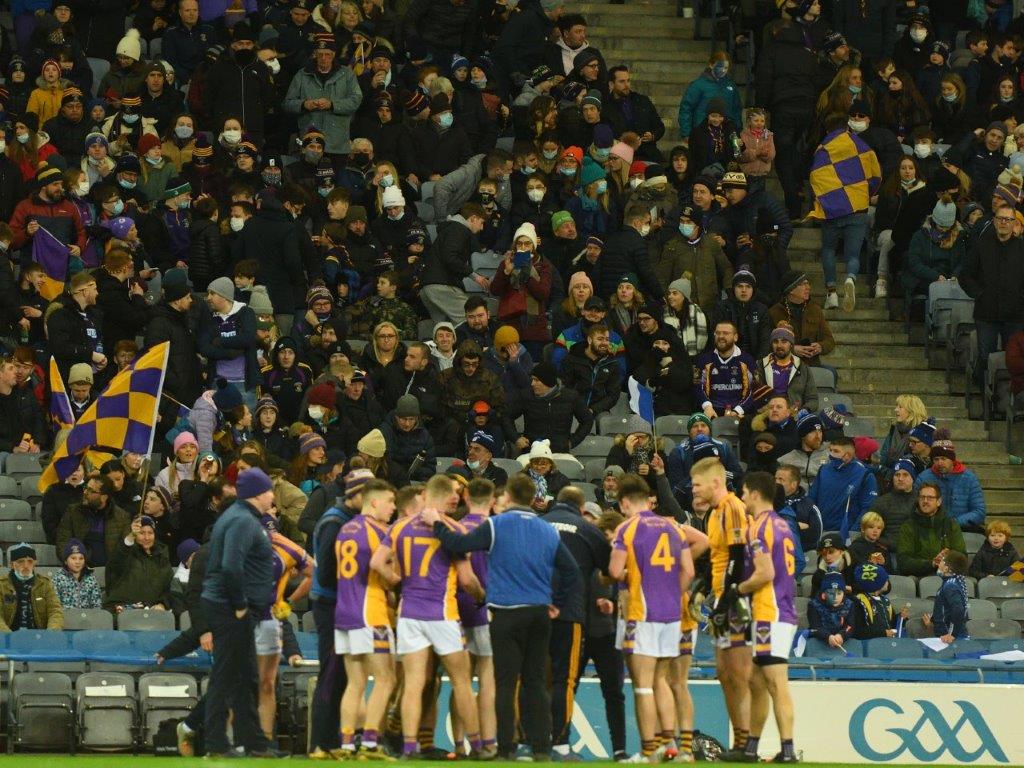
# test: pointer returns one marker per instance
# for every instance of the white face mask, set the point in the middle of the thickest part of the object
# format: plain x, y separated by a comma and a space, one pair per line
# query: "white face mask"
535, 195
634, 183
3, 146
316, 412
82, 189
231, 136
236, 223
918, 35
645, 230
274, 66
857, 125
922, 150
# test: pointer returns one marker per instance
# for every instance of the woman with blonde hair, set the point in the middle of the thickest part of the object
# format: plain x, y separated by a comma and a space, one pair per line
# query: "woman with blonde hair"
907, 414
543, 116
625, 304
846, 86
570, 310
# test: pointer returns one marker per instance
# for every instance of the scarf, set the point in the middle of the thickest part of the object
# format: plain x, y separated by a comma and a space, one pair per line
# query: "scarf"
23, 616
717, 138
540, 481
945, 240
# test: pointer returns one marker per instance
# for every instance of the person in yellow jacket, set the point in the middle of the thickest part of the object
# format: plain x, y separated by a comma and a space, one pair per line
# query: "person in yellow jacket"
45, 98
28, 599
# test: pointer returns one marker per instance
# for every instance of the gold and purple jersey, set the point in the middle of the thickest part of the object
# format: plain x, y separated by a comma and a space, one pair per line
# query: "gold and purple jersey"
362, 601
653, 547
726, 527
288, 557
471, 614
775, 601
427, 570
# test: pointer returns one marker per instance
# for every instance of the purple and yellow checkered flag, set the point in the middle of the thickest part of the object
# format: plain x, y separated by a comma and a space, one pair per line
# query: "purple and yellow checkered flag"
122, 418
844, 175
60, 405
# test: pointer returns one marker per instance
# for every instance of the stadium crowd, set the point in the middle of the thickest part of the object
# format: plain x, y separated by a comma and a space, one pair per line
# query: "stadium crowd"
372, 239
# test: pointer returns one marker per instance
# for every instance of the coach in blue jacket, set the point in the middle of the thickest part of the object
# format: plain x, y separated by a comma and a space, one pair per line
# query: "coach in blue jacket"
236, 593
526, 558
844, 489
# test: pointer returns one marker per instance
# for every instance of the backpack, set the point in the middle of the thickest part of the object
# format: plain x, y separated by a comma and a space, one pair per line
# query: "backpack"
707, 748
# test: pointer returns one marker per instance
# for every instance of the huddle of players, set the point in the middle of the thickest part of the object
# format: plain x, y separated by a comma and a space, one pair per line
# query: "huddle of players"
442, 612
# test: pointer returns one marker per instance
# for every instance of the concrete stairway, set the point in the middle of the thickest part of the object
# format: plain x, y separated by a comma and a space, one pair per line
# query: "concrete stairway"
876, 364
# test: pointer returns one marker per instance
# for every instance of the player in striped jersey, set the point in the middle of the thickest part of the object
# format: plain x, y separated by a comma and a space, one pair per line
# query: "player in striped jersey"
362, 631
771, 583
730, 619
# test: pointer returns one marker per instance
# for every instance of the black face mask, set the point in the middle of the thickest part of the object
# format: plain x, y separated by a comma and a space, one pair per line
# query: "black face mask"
245, 55
359, 159
485, 197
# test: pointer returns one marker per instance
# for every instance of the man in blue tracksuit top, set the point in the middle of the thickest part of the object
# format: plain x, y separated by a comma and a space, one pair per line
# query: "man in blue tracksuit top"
844, 489
526, 558
237, 590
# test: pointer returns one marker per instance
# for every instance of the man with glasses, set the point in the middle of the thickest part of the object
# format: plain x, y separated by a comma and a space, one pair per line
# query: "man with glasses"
927, 535
97, 522
994, 277
466, 382
75, 328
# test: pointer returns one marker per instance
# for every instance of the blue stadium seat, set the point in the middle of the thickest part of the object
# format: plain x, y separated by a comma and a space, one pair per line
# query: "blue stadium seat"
149, 642
893, 648
102, 642
960, 649
1001, 646
307, 644
39, 642
819, 650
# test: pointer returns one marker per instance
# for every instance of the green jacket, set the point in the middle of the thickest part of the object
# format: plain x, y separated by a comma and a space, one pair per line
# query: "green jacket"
46, 608
135, 577
921, 538
707, 264
75, 525
366, 313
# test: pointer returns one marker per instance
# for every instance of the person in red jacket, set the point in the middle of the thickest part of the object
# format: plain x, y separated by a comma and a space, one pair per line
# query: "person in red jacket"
523, 285
48, 208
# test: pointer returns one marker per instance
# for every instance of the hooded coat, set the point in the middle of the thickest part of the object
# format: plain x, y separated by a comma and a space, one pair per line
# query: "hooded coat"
459, 391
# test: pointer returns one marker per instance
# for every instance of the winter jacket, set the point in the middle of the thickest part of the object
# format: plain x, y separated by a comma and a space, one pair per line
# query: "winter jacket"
962, 497
758, 213
459, 392
133, 576
809, 464
895, 508
669, 373
447, 262
803, 510
269, 238
357, 417
403, 448
989, 561
950, 611
124, 314
549, 417
61, 219
921, 538
523, 41
341, 88
786, 74
638, 114
184, 47
576, 334
523, 301
599, 382
76, 524
827, 620
981, 164
626, 251
680, 460
74, 339
47, 612
444, 26
20, 414
423, 385
428, 150
801, 383
513, 374
77, 593
182, 377
873, 616
809, 325
993, 276
68, 137
217, 343
843, 495
693, 108
752, 321
706, 262
927, 260
861, 550
204, 253
241, 91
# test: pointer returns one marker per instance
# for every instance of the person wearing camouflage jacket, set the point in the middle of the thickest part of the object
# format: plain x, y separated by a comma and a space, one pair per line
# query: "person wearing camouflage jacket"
366, 313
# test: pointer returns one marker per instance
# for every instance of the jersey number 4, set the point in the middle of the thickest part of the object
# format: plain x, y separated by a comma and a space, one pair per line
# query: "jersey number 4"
430, 546
662, 554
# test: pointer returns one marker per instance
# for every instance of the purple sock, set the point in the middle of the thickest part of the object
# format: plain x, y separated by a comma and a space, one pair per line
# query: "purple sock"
410, 746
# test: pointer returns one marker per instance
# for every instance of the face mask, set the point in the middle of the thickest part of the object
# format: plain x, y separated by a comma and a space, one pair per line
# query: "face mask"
154, 161
118, 207
602, 154
687, 230
857, 125
645, 230
324, 191
568, 172
3, 146
950, 97
311, 157
550, 154
535, 195
481, 84
446, 119
396, 216
473, 465
486, 198
231, 136
835, 462
184, 205
20, 577
387, 180
274, 66
918, 35
907, 182
1006, 99
316, 412
854, 89
720, 70
528, 170
602, 187
82, 189
130, 119
126, 184
22, 138
922, 150
634, 183
236, 223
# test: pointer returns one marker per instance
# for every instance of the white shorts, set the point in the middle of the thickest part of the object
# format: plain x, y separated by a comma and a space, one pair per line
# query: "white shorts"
268, 637
773, 640
652, 638
620, 633
443, 636
364, 640
478, 640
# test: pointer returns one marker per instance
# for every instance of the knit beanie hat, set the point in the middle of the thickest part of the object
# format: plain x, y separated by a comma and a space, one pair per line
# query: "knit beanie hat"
943, 446
74, 547
373, 444
869, 578
558, 218
792, 279
574, 152
636, 425
704, 447
944, 212
407, 407
925, 432
864, 447
545, 373
623, 151
905, 465
593, 98
834, 418
580, 278
603, 136
119, 227
222, 286
317, 293
807, 422
265, 403
741, 276
226, 396
526, 229
96, 138
683, 285
698, 418
309, 441
186, 549
146, 142
259, 300
415, 102
485, 439
391, 197
183, 439
459, 62
355, 480
734, 180
783, 331
504, 336
251, 483
591, 172
323, 395
130, 45
716, 106
831, 581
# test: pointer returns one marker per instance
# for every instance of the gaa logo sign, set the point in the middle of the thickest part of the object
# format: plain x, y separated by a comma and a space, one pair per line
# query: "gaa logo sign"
927, 734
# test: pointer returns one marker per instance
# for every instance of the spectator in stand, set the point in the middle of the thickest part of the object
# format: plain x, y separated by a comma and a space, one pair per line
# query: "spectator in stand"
980, 155
478, 326
74, 583
29, 600
948, 619
657, 358
548, 409
685, 317
751, 213
844, 489
448, 263
408, 441
467, 382
897, 505
683, 456
758, 152
480, 455
994, 277
997, 555
963, 499
873, 614
509, 361
626, 251
239, 85
830, 612
937, 251
22, 428
927, 535
749, 316
695, 251
185, 43
714, 82
919, 445
801, 509
47, 207
120, 299
633, 112
96, 521
724, 376
592, 370
907, 414
785, 374
523, 285
870, 547
805, 317
227, 339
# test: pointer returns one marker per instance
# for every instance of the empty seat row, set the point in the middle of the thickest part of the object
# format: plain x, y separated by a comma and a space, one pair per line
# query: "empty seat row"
992, 588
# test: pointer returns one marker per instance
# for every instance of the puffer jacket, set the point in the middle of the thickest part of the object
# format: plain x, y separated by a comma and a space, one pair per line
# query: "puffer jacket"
77, 593
693, 107
950, 613
921, 538
599, 382
927, 259
525, 307
403, 447
204, 253
962, 497
706, 262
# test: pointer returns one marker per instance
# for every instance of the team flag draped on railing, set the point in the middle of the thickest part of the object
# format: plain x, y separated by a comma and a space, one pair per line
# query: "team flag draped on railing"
123, 418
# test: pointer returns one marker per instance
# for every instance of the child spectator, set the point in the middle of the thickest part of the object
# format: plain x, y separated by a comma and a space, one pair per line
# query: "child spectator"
368, 313
873, 615
997, 554
829, 614
125, 352
183, 465
245, 278
75, 585
948, 619
758, 150
832, 558
496, 234
870, 547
